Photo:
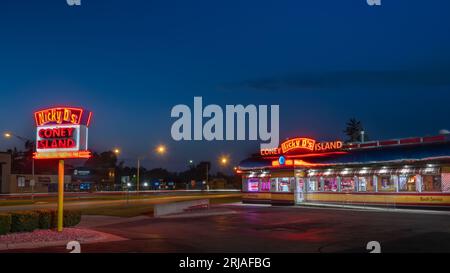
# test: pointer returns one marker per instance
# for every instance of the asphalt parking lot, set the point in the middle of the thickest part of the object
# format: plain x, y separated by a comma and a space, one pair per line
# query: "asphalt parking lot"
263, 229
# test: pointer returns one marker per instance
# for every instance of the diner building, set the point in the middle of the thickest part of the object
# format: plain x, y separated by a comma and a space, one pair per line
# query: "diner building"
397, 172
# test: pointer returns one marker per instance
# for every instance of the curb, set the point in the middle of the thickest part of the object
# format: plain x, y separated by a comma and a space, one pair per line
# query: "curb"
368, 208
198, 214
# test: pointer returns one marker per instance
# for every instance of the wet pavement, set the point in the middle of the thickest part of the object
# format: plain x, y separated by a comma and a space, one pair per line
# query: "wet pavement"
259, 229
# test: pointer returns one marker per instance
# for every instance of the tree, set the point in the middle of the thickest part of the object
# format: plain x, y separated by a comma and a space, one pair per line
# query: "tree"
22, 160
105, 160
353, 131
104, 166
197, 172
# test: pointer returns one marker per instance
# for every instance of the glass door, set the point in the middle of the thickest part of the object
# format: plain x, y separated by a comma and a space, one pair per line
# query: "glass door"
299, 192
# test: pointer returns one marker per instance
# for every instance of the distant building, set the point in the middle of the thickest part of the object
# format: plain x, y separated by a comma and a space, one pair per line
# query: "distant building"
5, 171
21, 183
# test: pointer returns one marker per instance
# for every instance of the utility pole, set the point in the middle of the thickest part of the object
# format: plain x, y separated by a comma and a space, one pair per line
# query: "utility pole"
138, 174
32, 179
60, 195
207, 174
25, 141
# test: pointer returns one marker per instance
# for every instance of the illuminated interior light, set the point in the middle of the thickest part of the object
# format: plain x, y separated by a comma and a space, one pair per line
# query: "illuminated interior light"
308, 164
405, 170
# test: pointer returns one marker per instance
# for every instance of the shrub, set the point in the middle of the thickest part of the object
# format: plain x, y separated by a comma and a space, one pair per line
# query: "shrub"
5, 223
54, 219
23, 221
45, 218
71, 218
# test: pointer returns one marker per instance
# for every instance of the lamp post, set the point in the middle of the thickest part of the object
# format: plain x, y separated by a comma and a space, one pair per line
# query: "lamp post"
138, 178
207, 175
161, 150
9, 135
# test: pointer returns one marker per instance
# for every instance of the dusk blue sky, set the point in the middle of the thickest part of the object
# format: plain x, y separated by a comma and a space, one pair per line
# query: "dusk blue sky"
130, 62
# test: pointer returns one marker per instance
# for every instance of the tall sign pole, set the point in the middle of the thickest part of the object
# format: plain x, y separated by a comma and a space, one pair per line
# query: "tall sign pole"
62, 133
60, 195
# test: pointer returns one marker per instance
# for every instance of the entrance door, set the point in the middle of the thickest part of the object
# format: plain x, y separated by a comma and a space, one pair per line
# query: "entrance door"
300, 190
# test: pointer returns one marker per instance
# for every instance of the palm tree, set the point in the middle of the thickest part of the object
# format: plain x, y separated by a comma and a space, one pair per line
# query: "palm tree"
353, 130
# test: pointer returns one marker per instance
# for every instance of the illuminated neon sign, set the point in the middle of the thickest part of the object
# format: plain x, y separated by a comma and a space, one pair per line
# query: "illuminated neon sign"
303, 145
62, 132
298, 143
59, 115
327, 146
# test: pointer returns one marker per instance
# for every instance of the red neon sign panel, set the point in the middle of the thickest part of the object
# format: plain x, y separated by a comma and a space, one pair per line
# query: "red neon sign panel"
61, 116
303, 145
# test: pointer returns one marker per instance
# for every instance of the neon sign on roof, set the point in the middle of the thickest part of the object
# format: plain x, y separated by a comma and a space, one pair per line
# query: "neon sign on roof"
303, 145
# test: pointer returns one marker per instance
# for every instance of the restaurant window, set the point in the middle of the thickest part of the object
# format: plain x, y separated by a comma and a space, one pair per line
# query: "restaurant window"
284, 184
407, 182
347, 184
365, 183
432, 183
253, 185
386, 183
265, 185
330, 184
313, 184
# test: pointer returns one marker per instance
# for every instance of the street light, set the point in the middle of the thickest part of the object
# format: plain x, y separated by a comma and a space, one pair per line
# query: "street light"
161, 149
224, 160
116, 151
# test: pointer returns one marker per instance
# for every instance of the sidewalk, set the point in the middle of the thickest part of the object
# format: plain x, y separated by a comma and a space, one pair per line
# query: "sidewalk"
213, 211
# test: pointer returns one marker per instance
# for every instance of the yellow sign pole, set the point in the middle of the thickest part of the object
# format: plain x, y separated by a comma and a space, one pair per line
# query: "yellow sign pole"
60, 195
